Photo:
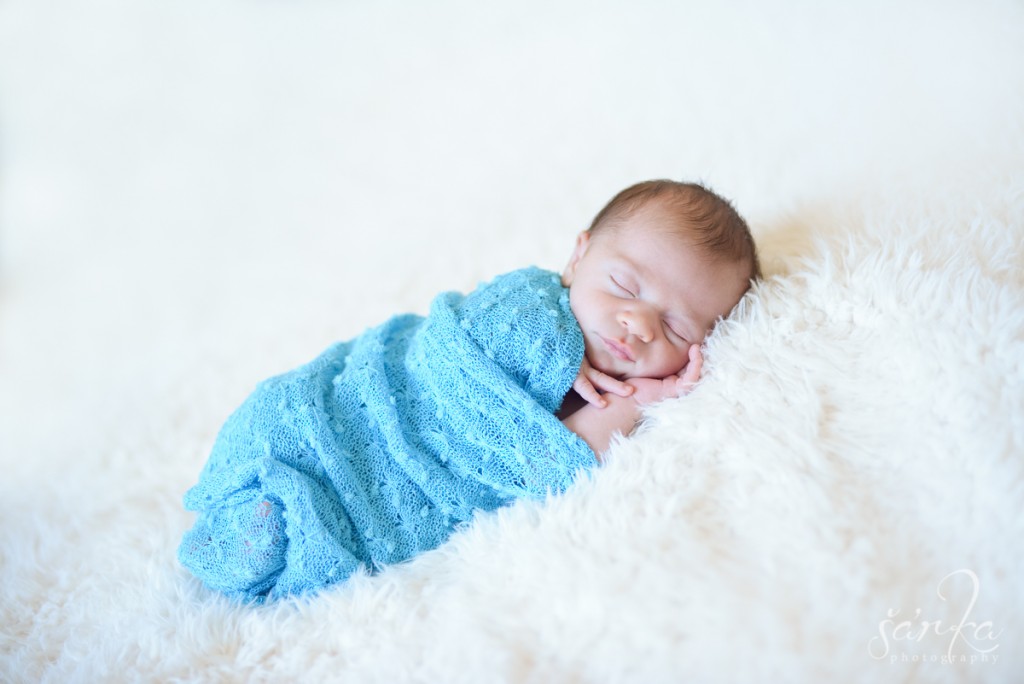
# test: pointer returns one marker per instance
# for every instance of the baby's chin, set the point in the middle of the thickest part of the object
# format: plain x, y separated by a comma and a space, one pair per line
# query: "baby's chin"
616, 373
603, 362
631, 373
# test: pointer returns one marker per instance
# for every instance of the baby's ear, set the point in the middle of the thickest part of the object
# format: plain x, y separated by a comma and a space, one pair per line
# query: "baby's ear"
582, 243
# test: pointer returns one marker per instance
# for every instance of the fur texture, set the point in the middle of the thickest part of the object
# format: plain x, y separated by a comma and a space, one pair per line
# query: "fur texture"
858, 436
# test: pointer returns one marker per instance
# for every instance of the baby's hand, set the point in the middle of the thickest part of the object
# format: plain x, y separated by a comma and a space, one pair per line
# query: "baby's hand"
691, 373
650, 390
590, 380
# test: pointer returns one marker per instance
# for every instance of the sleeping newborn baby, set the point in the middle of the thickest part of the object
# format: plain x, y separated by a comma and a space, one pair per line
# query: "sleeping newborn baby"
378, 448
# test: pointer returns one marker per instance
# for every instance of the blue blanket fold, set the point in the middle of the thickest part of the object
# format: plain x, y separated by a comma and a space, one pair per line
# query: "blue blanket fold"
378, 448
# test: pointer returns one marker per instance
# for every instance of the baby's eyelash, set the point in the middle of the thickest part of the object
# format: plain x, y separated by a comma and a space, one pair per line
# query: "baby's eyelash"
622, 287
675, 332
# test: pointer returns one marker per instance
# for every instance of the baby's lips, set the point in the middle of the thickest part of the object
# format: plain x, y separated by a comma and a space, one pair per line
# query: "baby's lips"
618, 349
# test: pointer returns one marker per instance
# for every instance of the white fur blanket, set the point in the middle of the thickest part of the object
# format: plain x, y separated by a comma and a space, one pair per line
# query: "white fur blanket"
179, 181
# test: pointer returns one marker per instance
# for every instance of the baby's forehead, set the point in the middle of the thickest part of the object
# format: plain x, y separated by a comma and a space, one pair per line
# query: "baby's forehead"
654, 211
656, 217
648, 245
664, 245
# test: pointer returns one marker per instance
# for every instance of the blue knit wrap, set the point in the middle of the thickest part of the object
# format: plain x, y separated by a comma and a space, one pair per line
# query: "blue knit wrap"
378, 448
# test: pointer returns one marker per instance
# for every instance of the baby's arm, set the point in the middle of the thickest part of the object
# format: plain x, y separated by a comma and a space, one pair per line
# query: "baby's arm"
595, 424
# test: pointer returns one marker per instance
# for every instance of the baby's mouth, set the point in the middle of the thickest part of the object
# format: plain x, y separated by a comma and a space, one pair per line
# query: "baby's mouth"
618, 350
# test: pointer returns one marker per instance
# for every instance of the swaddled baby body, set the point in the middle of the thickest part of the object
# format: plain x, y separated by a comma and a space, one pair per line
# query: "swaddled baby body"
381, 446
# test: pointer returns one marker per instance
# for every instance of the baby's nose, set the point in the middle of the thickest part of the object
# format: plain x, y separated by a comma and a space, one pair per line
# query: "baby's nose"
637, 323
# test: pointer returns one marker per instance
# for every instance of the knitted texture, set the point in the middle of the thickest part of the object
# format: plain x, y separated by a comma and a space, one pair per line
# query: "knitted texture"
378, 448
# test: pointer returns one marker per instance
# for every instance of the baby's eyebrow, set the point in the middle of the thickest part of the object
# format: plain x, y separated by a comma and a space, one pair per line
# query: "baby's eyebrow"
624, 261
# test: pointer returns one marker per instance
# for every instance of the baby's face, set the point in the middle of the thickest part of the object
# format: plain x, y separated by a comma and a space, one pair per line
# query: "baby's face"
642, 296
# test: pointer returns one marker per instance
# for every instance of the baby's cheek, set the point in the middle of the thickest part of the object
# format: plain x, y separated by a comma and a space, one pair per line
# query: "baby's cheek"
671, 363
598, 361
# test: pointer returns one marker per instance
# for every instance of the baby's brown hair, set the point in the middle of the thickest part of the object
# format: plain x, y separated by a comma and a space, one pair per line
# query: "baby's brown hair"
709, 219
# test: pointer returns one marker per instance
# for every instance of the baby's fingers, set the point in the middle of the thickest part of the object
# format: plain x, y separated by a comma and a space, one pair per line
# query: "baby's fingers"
691, 374
588, 392
607, 383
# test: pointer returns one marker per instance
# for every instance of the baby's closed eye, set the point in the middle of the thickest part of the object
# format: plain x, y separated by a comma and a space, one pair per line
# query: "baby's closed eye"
618, 282
675, 330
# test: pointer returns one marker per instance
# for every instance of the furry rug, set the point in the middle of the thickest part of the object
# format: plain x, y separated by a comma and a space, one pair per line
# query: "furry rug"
840, 498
